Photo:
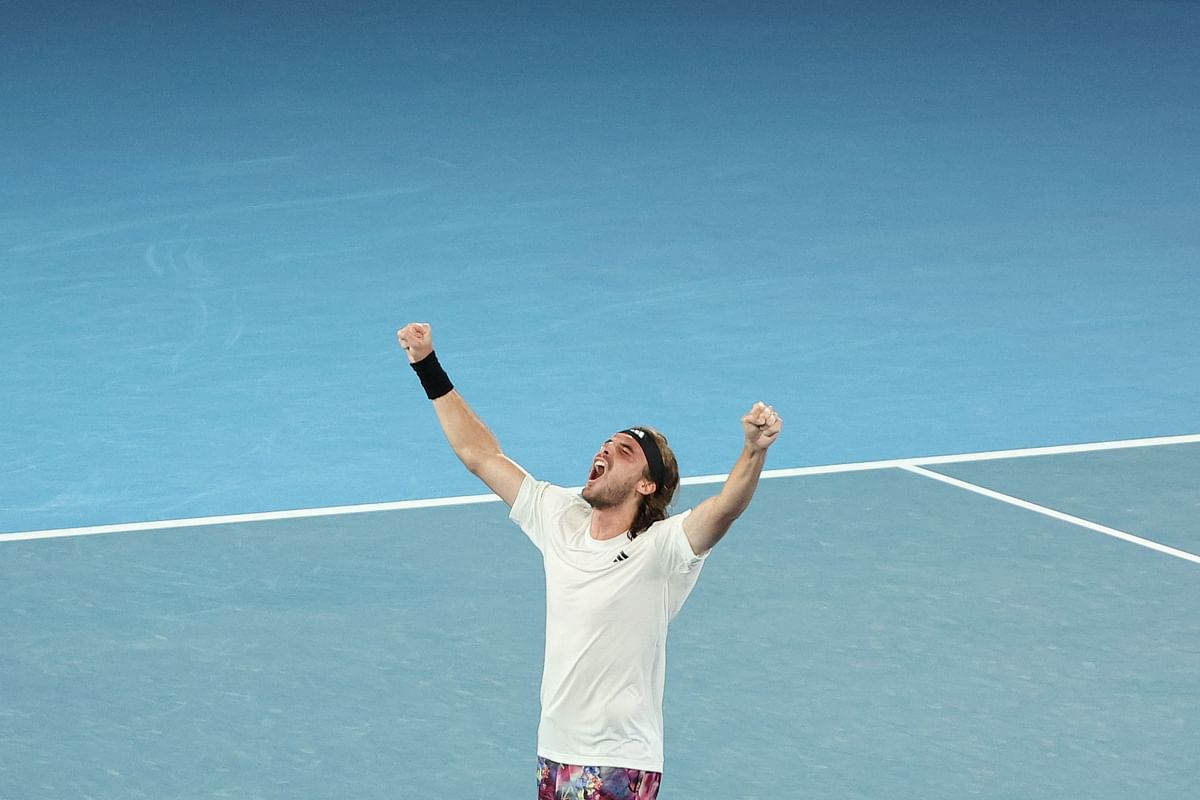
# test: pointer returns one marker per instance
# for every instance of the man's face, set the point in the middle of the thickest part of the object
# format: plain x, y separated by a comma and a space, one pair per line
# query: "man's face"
617, 471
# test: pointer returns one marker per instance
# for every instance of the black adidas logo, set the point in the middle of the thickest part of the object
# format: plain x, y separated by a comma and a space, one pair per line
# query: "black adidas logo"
621, 556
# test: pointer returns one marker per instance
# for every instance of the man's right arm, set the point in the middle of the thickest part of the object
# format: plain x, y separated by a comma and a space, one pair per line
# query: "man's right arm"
474, 444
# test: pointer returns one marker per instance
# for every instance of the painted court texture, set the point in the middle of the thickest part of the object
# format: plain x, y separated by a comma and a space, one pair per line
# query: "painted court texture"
954, 244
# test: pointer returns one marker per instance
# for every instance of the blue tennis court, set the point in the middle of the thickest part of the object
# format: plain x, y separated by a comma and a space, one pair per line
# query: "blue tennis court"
863, 633
956, 245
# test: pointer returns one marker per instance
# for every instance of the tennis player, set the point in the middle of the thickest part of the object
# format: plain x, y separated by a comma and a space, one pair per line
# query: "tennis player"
618, 568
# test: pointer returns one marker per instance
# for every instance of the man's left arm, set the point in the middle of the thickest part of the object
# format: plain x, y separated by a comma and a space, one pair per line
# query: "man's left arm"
709, 521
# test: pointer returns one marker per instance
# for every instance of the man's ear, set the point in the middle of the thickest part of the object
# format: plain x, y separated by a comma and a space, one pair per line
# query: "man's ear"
646, 487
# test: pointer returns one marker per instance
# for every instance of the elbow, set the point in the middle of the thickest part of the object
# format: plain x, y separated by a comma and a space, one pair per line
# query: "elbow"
727, 513
471, 461
475, 460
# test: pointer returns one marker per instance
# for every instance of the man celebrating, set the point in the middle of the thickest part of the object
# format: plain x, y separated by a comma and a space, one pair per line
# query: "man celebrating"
618, 569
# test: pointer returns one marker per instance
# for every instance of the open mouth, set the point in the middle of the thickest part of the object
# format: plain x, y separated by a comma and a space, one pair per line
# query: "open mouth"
598, 468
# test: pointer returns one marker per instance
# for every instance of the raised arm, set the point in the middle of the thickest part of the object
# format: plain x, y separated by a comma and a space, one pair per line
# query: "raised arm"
709, 521
472, 441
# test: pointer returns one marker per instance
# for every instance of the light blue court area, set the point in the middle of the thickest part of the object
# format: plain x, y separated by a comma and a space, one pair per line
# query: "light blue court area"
860, 634
915, 228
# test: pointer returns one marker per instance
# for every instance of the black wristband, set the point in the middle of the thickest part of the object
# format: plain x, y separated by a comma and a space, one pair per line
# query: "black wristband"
433, 378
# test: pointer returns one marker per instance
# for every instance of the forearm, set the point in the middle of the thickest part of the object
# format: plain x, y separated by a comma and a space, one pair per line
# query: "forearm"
739, 487
472, 440
709, 521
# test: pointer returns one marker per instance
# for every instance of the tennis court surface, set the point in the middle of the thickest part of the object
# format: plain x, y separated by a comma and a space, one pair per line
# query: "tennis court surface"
865, 631
918, 228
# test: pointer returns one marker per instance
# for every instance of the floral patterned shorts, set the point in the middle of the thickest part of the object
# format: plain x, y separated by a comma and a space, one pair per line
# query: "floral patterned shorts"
566, 782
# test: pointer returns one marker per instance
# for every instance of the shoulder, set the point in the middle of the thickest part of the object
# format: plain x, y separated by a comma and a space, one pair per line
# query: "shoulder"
543, 498
669, 539
673, 522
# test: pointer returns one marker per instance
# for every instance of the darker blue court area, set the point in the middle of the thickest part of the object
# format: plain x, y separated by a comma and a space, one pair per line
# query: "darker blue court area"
860, 635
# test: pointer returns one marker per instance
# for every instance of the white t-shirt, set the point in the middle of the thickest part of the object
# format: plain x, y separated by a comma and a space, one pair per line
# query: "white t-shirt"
607, 608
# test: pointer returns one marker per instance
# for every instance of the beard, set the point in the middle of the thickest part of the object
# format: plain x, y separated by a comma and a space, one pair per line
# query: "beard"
609, 494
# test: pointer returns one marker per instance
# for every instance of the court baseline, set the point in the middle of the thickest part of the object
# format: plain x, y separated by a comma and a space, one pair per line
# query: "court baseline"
903, 463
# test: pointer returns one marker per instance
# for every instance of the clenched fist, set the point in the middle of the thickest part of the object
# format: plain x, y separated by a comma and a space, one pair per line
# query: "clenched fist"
417, 340
762, 426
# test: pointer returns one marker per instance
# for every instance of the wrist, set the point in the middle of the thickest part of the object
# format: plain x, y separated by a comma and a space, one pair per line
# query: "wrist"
753, 450
433, 378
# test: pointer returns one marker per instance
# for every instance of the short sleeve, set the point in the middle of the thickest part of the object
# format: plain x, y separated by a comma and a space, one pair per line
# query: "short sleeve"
679, 562
674, 550
538, 503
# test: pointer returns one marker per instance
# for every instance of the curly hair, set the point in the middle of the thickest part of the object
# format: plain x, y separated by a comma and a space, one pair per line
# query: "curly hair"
654, 506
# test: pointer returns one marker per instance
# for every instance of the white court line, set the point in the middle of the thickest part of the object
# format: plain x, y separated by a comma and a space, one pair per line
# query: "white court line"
1065, 449
1050, 512
262, 516
134, 527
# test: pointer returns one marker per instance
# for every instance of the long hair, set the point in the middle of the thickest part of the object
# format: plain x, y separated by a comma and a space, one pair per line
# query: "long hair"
654, 506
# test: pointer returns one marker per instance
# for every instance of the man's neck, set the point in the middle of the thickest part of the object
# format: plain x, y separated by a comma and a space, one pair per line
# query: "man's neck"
609, 523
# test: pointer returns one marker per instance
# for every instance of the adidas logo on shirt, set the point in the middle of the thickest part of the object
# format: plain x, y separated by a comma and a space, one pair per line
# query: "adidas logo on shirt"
621, 556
